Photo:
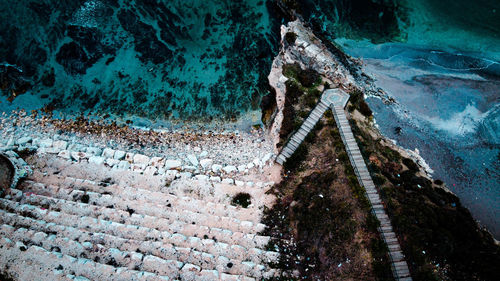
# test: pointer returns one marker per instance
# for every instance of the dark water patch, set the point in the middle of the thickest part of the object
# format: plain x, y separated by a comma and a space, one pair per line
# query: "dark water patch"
375, 20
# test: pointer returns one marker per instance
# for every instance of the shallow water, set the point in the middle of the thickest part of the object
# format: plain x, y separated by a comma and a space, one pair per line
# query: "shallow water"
155, 59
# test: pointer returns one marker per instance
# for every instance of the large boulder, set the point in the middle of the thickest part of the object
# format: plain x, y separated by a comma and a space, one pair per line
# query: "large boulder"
7, 172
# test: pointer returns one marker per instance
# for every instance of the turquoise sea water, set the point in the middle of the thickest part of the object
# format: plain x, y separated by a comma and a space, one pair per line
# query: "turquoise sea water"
155, 59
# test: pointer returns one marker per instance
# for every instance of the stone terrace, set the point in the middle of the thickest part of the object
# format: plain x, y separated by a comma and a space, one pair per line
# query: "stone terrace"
87, 212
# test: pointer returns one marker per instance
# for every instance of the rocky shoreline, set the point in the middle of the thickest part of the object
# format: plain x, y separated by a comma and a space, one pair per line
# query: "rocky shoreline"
413, 199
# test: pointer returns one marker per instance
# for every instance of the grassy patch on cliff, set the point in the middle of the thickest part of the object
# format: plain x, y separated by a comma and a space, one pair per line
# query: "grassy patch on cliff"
325, 212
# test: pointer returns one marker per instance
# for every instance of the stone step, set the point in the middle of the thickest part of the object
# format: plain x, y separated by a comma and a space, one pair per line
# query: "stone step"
185, 202
72, 256
155, 223
68, 265
94, 252
122, 230
111, 203
161, 249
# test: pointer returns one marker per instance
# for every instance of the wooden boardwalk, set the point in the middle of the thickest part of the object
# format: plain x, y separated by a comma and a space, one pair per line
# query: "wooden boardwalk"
301, 134
337, 100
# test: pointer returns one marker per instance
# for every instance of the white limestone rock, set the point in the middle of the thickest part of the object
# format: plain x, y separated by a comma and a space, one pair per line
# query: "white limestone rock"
216, 168
65, 154
239, 183
215, 179
206, 163
98, 160
78, 155
230, 169
157, 162
141, 159
46, 143
267, 157
11, 142
193, 160
108, 153
186, 175
171, 174
123, 165
189, 168
96, 151
137, 167
51, 150
119, 155
129, 157
23, 140
228, 181
201, 177
60, 144
172, 164
242, 168
112, 162
257, 162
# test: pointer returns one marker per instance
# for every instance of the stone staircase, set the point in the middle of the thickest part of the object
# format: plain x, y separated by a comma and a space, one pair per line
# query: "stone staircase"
63, 227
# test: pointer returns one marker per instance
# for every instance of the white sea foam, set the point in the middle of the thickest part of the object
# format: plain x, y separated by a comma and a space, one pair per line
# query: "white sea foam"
459, 123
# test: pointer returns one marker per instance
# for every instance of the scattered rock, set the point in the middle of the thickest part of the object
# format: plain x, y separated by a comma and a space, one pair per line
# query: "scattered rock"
192, 159
119, 155
46, 143
23, 140
216, 168
123, 165
230, 169
108, 153
98, 160
141, 159
172, 164
206, 163
65, 154
60, 144
94, 151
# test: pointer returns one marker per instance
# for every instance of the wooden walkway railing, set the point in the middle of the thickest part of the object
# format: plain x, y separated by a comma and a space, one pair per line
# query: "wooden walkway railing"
337, 100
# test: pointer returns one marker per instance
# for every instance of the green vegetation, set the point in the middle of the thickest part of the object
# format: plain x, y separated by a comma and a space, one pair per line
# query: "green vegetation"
358, 102
242, 199
297, 93
290, 37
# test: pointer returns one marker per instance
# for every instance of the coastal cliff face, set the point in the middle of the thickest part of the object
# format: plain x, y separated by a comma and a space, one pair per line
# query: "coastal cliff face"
439, 237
